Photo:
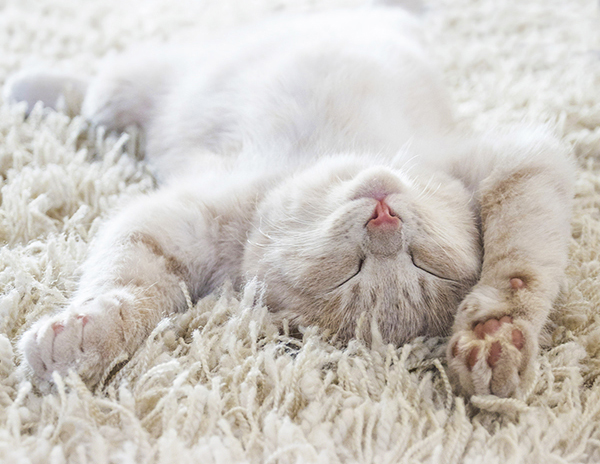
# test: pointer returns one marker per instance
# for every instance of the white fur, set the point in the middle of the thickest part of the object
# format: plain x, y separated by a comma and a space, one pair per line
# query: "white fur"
274, 146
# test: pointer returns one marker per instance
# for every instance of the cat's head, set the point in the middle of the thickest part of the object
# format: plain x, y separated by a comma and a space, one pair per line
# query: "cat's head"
348, 237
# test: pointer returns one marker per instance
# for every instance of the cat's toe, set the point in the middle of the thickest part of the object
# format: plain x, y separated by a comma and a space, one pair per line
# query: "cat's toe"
34, 346
67, 350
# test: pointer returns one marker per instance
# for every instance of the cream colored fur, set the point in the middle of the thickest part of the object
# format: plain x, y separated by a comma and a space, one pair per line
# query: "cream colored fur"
215, 383
275, 145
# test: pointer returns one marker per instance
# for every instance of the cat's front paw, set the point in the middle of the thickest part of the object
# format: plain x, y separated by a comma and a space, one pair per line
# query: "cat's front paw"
493, 354
85, 338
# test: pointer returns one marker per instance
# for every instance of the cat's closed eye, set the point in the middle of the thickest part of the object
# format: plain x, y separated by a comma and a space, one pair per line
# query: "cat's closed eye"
354, 273
425, 264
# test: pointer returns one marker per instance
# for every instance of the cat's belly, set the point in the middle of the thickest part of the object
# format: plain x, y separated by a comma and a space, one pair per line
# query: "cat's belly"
361, 84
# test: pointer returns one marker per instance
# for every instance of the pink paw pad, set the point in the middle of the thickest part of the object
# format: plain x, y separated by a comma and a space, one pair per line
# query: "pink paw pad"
488, 328
516, 283
57, 327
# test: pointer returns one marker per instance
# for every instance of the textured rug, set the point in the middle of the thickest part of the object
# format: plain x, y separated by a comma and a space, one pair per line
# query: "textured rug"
219, 383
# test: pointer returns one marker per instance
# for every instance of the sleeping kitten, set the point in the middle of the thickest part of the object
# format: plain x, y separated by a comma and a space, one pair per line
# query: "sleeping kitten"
320, 155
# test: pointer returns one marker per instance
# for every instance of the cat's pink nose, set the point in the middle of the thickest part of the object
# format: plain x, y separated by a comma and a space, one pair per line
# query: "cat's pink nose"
383, 217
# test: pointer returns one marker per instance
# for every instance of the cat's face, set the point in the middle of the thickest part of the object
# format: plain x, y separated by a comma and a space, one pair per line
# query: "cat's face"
346, 238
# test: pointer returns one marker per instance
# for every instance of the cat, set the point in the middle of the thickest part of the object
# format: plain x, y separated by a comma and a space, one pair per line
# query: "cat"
320, 155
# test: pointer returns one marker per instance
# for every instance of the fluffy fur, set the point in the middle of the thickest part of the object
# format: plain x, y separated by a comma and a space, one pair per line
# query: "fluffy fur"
276, 149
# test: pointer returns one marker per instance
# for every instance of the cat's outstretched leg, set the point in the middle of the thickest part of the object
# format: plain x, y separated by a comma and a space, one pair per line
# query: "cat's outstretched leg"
127, 88
132, 279
525, 211
124, 92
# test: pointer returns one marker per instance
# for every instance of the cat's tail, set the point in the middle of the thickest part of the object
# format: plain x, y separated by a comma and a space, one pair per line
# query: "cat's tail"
123, 93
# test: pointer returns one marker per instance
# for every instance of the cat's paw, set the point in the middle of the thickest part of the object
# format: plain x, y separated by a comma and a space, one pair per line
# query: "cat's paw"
85, 338
493, 354
55, 90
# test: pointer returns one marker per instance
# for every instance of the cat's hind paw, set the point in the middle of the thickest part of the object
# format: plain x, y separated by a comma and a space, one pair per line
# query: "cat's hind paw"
58, 91
494, 357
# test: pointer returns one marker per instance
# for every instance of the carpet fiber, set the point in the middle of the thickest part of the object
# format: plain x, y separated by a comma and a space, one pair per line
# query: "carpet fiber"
219, 383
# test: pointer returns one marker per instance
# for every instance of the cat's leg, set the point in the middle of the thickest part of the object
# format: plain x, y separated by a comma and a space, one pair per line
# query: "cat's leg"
124, 92
59, 91
128, 87
525, 212
132, 278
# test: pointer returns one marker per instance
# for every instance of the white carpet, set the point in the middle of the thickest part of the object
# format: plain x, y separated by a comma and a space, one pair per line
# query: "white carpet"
217, 384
